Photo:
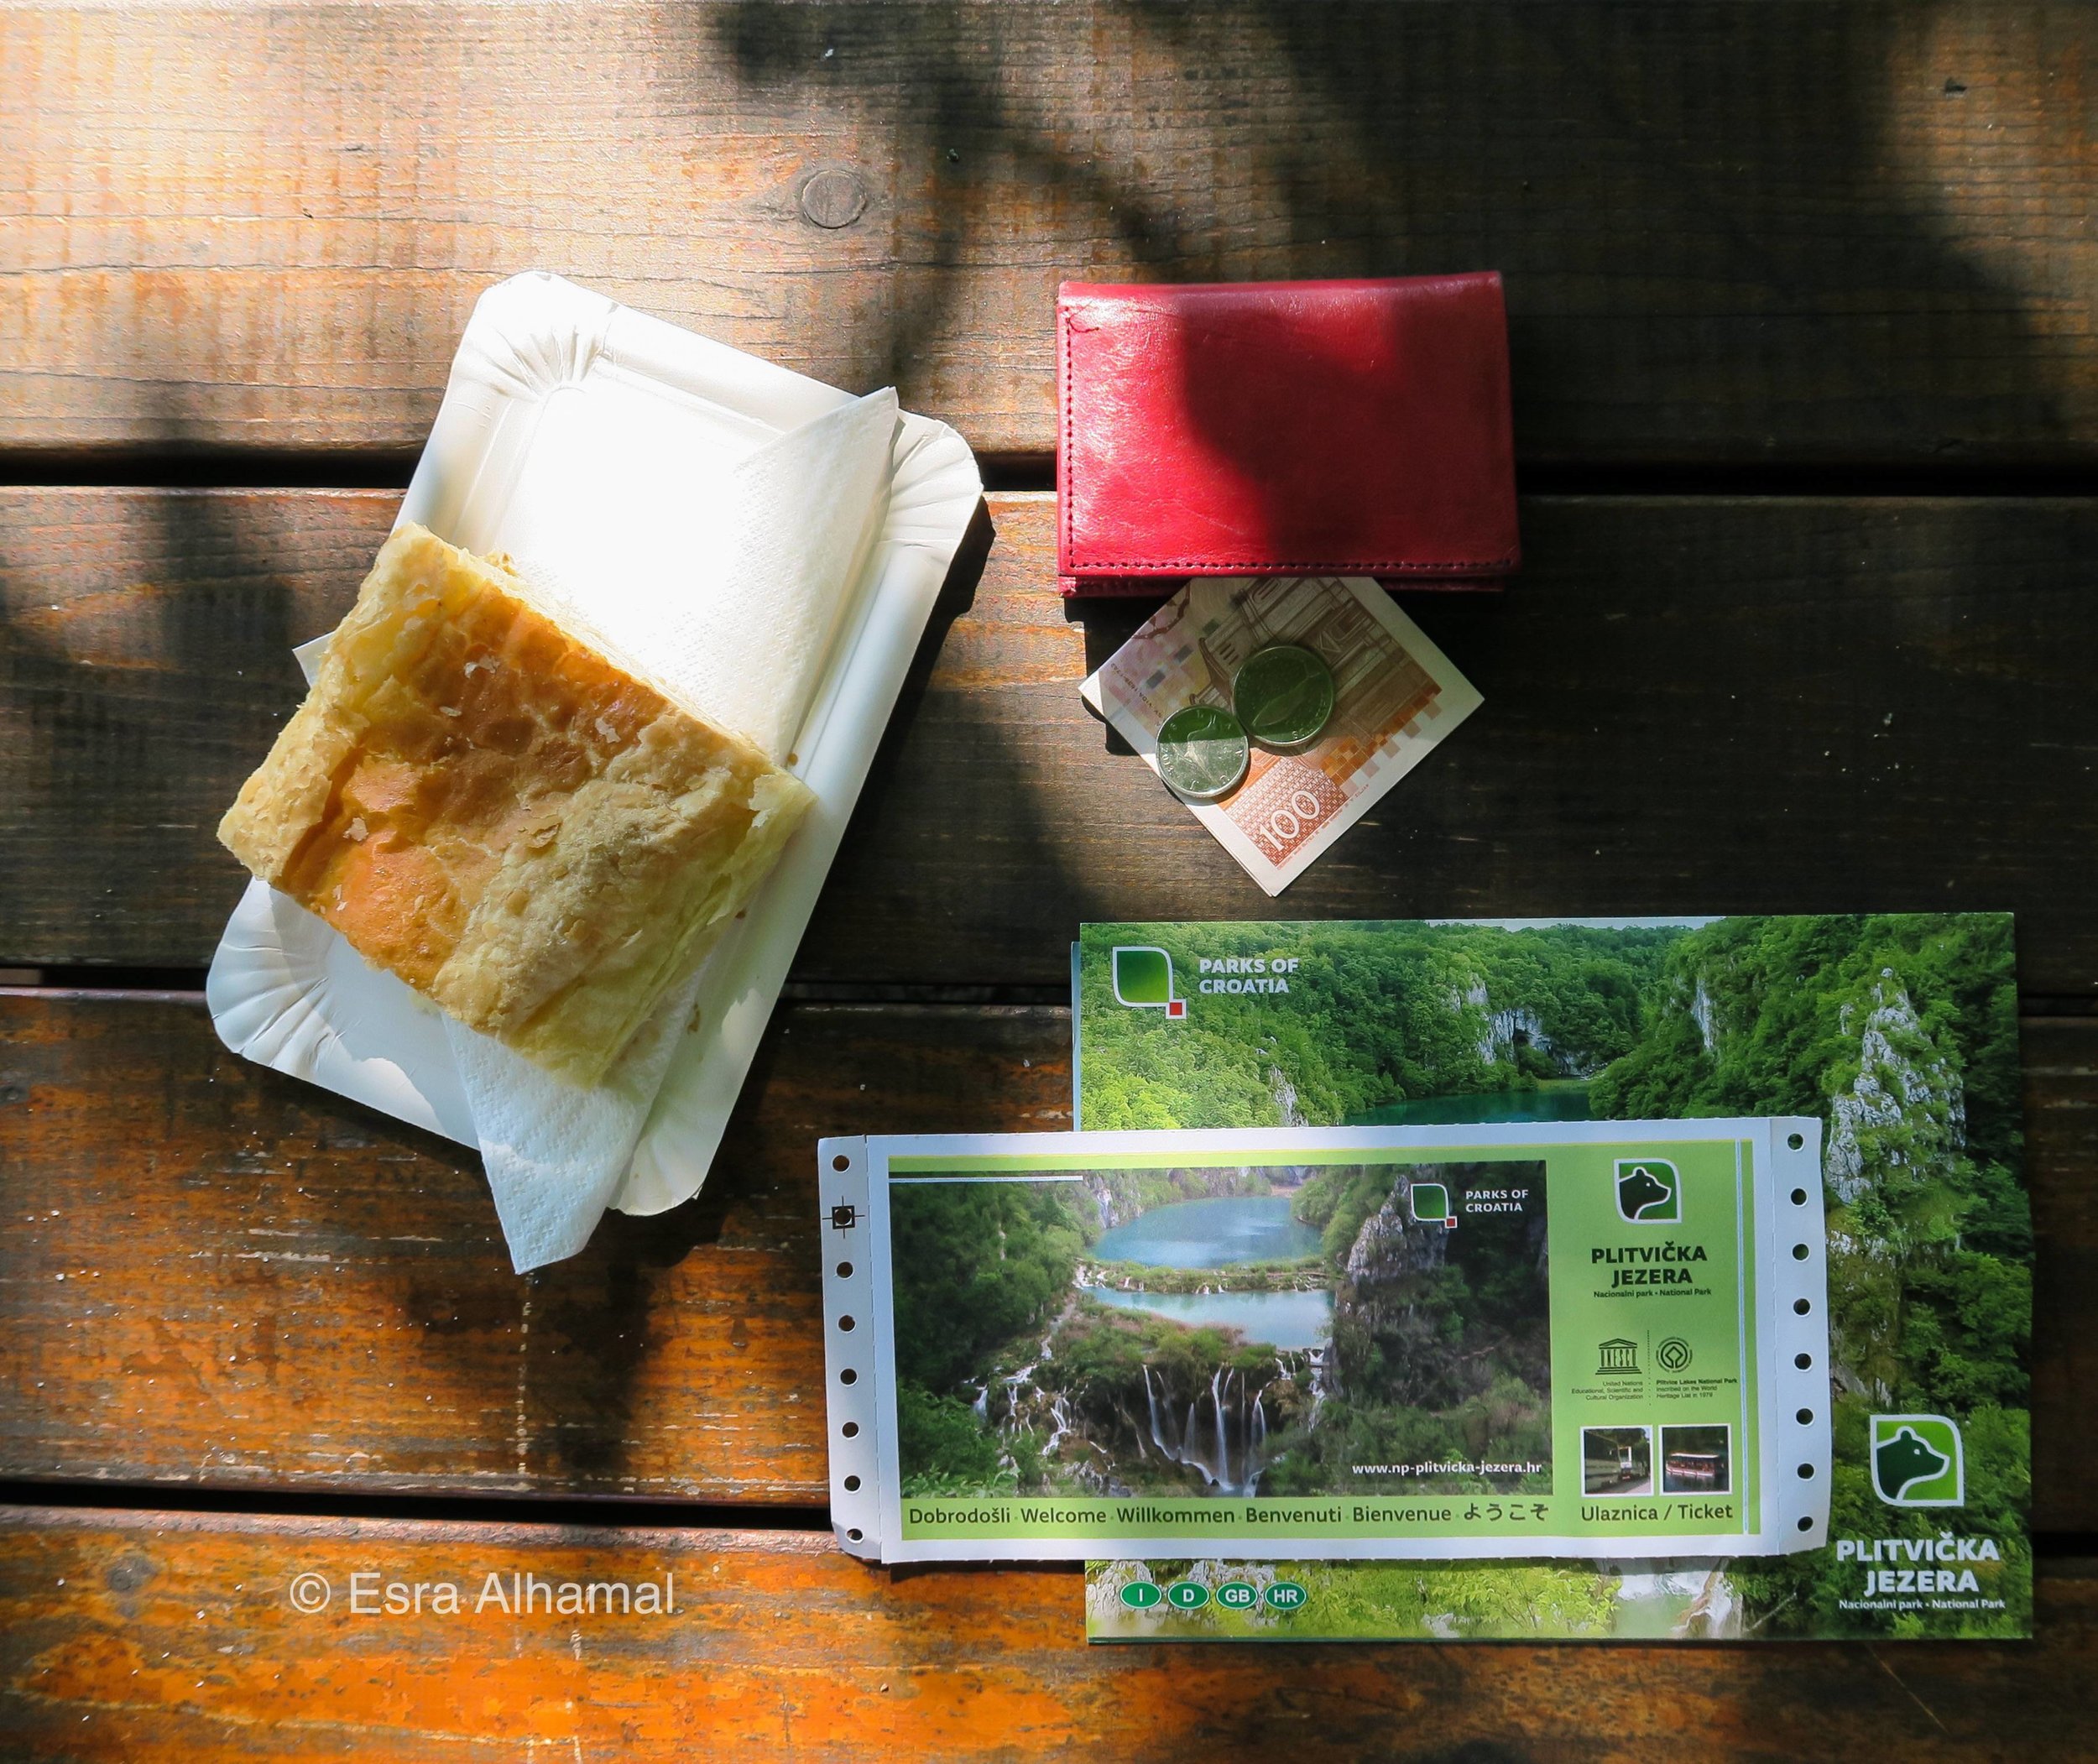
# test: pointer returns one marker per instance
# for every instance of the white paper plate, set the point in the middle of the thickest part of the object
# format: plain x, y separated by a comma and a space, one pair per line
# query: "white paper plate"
566, 413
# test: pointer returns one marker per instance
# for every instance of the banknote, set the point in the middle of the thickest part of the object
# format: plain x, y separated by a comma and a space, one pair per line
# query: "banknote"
1397, 696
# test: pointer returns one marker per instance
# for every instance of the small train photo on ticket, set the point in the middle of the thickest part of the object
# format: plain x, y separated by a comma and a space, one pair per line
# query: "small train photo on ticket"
1523, 1339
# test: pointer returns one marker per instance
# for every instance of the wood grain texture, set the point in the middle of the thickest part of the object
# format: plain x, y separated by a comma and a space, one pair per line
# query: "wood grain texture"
229, 1277
1731, 231
213, 1274
144, 1637
2060, 1057
1692, 704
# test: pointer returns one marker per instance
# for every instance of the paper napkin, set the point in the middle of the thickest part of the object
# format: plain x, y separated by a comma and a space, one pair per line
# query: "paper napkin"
557, 1152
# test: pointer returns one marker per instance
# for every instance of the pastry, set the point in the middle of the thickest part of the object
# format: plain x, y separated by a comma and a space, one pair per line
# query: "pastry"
484, 803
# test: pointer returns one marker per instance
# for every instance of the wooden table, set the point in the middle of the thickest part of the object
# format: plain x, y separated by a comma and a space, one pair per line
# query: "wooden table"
1807, 401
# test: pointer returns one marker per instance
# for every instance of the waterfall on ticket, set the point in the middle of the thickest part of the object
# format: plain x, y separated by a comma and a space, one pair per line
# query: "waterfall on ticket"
1228, 1446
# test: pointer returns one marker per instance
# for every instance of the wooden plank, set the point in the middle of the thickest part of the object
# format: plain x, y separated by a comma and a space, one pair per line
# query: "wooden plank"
1692, 704
140, 681
229, 1277
1731, 231
144, 1637
216, 1276
329, 1299
2060, 1057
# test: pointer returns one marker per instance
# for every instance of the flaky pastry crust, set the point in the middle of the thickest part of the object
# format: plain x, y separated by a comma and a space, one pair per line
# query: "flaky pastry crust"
488, 808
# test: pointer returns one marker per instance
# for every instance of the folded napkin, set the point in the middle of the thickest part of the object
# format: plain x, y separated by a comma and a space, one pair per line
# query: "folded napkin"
743, 639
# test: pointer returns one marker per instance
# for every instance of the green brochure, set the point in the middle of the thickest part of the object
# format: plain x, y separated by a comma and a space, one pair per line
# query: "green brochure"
1892, 1038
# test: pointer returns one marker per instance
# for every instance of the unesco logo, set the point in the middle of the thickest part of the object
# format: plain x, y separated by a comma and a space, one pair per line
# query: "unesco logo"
1673, 1355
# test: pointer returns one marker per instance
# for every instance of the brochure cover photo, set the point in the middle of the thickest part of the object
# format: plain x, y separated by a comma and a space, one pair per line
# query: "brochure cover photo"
1898, 1033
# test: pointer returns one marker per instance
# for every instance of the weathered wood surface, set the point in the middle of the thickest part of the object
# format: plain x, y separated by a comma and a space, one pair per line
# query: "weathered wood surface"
218, 1274
1731, 231
214, 1274
143, 1636
1692, 704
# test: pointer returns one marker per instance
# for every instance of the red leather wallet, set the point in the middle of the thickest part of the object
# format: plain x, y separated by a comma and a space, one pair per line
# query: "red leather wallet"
1353, 428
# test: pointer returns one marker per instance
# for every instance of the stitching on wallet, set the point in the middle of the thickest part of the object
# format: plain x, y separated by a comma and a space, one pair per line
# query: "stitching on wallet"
1064, 498
1330, 566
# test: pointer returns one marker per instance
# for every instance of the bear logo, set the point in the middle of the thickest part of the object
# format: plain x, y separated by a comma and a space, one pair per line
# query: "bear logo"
1648, 1192
1905, 1459
1917, 1461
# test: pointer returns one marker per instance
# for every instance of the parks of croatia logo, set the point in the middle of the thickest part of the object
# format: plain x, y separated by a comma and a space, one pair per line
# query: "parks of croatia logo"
1143, 978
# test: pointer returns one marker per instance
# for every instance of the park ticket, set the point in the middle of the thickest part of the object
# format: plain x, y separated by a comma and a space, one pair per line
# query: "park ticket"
1395, 696
1520, 1339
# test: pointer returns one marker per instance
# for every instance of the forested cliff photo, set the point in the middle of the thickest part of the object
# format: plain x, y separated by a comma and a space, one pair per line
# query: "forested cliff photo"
1089, 1352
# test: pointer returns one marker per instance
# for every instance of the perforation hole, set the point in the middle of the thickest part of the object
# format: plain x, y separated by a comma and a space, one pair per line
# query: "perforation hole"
1806, 1474
1803, 1361
852, 1484
840, 1162
1806, 1525
844, 1271
855, 1534
1796, 1140
1799, 1197
1805, 1417
847, 1324
850, 1430
848, 1376
1801, 1306
1800, 1252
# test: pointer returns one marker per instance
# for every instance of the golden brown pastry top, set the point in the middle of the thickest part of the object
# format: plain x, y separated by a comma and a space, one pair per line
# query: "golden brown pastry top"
502, 817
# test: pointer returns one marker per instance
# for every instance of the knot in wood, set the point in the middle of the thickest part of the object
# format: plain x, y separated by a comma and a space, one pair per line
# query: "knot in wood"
834, 198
